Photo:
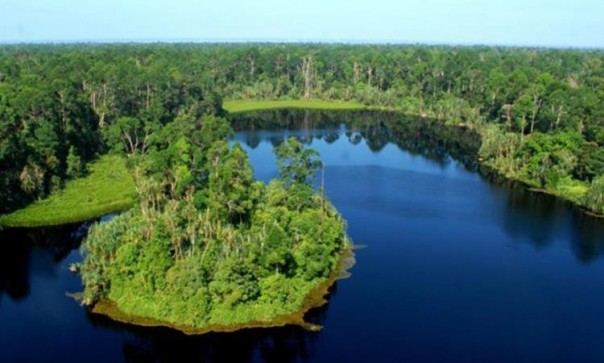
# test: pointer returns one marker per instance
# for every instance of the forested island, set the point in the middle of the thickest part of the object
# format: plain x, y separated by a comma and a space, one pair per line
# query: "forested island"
210, 248
143, 129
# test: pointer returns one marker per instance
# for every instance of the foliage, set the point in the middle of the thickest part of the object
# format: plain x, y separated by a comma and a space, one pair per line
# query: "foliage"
499, 149
296, 164
547, 158
107, 188
215, 246
594, 198
545, 161
60, 104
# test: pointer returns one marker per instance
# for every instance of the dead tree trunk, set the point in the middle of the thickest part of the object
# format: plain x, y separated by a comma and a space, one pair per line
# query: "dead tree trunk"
508, 115
252, 63
357, 72
307, 73
538, 104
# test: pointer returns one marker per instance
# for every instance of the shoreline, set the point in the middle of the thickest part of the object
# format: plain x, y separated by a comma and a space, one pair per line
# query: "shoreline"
107, 188
492, 172
315, 298
575, 204
243, 106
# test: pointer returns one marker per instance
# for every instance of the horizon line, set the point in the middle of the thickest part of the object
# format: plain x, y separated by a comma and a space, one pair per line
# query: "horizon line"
379, 42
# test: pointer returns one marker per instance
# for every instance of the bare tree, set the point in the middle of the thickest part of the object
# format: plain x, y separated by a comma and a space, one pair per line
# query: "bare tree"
357, 72
307, 63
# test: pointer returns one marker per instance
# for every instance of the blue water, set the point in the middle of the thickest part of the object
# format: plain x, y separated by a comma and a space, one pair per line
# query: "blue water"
455, 269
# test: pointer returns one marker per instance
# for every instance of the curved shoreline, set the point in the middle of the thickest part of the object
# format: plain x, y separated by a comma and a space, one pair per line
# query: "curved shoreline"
314, 299
244, 106
490, 173
107, 188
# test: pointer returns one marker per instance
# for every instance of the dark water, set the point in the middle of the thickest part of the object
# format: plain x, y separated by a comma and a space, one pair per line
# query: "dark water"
455, 269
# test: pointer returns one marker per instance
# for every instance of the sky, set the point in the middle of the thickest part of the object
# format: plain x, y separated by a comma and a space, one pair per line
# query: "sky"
548, 23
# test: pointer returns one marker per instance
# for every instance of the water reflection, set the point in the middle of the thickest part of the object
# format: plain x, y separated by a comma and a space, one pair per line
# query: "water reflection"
587, 239
542, 220
427, 138
14, 269
286, 344
527, 217
24, 252
289, 345
331, 137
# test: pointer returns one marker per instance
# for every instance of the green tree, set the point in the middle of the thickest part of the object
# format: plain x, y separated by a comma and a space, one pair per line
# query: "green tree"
594, 199
75, 165
231, 186
296, 164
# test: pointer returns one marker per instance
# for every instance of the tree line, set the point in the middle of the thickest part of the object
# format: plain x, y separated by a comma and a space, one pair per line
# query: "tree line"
62, 105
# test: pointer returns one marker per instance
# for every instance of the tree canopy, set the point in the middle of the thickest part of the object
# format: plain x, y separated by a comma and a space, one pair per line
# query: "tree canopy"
62, 105
207, 244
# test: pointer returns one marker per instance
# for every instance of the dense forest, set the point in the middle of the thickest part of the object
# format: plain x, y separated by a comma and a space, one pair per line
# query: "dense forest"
540, 111
208, 245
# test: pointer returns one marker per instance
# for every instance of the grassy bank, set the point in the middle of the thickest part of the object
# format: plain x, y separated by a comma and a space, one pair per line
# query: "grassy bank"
107, 188
572, 191
235, 106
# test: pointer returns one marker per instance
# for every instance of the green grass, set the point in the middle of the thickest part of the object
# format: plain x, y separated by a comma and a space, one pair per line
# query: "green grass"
107, 188
236, 106
573, 190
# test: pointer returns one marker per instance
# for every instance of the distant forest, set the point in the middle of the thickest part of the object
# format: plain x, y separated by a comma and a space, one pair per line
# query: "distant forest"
540, 111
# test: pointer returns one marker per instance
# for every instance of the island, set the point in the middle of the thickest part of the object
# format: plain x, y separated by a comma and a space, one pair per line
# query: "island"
207, 247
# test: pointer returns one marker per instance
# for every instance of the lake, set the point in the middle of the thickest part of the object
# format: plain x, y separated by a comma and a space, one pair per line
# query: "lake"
453, 267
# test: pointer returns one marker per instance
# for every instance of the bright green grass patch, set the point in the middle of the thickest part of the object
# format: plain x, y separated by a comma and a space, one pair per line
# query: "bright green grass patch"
572, 189
235, 106
107, 188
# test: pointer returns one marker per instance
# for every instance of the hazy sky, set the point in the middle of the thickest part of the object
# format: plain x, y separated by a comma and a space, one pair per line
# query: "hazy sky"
575, 23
